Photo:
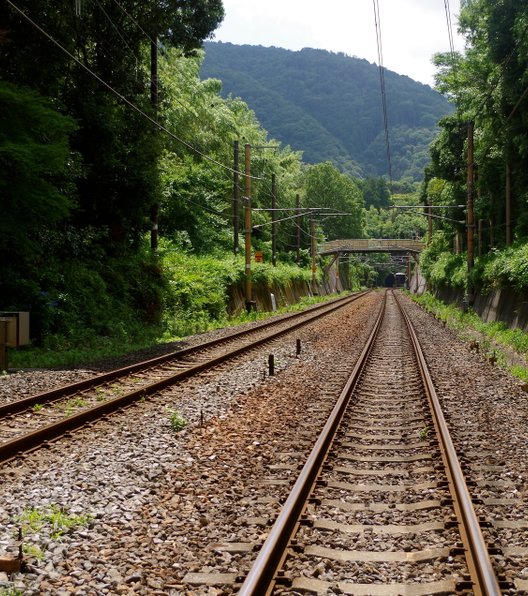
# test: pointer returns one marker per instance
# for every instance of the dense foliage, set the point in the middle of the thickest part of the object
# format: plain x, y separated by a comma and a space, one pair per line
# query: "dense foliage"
328, 105
487, 84
83, 165
88, 153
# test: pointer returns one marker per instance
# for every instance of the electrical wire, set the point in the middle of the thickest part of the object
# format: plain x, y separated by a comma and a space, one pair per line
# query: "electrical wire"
450, 32
101, 8
137, 24
377, 23
122, 97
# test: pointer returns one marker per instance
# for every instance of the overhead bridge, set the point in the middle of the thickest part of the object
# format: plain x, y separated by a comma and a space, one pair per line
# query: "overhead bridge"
366, 245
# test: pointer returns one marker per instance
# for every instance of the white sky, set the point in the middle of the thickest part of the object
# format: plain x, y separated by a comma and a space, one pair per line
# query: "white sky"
412, 30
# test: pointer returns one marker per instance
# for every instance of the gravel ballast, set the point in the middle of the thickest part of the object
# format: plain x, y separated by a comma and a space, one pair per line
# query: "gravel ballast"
157, 506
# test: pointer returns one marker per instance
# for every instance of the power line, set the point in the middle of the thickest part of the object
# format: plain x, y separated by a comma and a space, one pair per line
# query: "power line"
451, 39
101, 8
122, 97
377, 23
137, 24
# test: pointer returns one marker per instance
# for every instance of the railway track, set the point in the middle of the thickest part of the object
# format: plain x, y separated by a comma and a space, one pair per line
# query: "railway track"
381, 506
28, 423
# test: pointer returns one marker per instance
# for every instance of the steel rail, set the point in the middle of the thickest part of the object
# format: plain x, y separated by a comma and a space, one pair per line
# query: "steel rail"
477, 556
29, 441
260, 579
262, 576
20, 405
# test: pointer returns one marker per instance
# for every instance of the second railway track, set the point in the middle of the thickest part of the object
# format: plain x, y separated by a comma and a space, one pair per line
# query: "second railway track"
25, 424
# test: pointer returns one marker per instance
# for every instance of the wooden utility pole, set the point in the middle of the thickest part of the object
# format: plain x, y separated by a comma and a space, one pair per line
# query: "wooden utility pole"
298, 219
154, 100
468, 296
273, 221
247, 226
313, 246
470, 197
430, 222
508, 205
236, 196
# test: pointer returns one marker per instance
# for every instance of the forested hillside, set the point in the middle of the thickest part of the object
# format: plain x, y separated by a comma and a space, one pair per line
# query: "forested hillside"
328, 105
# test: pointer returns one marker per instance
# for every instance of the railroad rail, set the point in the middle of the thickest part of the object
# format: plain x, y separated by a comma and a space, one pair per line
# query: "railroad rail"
338, 534
72, 406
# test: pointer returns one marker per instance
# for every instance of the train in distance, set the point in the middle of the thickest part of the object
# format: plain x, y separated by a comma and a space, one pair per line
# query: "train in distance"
396, 280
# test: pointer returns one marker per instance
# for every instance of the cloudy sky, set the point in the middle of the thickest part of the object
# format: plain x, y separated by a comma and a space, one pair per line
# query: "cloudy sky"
412, 30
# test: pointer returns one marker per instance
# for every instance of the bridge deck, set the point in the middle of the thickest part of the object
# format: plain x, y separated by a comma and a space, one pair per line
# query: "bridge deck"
372, 245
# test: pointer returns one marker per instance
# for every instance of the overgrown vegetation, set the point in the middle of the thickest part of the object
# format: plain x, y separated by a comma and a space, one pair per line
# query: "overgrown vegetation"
177, 421
194, 297
492, 337
85, 177
487, 85
56, 520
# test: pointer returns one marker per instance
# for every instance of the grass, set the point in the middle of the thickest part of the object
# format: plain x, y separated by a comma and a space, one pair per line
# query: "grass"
34, 551
106, 347
493, 336
423, 433
56, 519
177, 421
71, 405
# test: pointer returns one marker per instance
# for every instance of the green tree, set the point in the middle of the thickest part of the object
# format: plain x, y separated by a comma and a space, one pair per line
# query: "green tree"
118, 146
37, 181
376, 193
326, 187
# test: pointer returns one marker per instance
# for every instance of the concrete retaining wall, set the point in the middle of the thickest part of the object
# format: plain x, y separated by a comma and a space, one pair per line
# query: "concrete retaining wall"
285, 295
504, 305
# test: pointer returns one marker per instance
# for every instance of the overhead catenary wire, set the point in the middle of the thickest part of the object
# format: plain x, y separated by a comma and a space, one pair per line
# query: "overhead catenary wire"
122, 97
450, 35
377, 23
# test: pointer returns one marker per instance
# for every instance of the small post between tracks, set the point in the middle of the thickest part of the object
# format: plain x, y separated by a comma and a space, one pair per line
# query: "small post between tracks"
271, 365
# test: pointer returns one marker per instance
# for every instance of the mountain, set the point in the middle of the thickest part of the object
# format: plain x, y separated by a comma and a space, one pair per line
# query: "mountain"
329, 106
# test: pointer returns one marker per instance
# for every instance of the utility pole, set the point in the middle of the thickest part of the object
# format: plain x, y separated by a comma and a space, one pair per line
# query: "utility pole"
298, 206
247, 226
273, 222
154, 100
470, 213
314, 253
508, 205
236, 196
430, 222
